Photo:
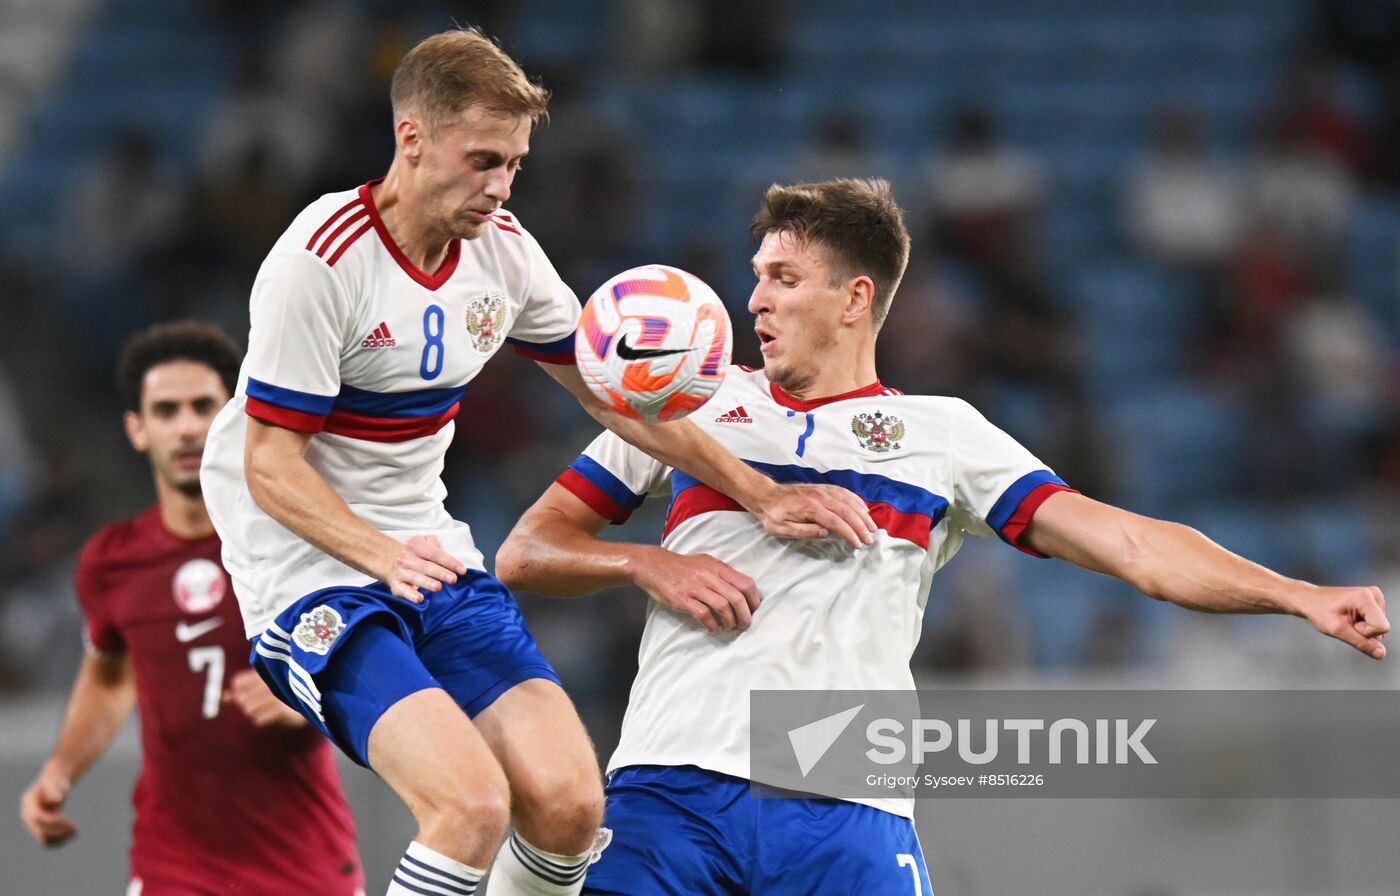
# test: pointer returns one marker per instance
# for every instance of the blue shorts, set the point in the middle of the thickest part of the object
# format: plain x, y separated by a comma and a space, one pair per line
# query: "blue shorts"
689, 832
342, 656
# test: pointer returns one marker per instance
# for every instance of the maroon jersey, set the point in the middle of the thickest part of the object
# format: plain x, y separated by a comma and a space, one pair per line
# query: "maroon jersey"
222, 807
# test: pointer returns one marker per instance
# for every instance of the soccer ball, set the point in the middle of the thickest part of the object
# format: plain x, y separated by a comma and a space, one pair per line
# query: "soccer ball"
653, 343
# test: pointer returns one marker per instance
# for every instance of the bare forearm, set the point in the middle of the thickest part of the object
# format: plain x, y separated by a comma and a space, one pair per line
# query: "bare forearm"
1176, 563
794, 510
679, 444
682, 445
1164, 560
102, 698
291, 492
1189, 570
548, 555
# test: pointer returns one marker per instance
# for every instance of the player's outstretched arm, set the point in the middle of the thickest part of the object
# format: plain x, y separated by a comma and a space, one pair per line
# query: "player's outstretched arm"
102, 698
1172, 562
786, 511
554, 549
290, 491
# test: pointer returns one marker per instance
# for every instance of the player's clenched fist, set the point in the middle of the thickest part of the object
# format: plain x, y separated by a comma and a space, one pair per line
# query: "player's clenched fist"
1354, 615
719, 597
815, 511
41, 809
422, 563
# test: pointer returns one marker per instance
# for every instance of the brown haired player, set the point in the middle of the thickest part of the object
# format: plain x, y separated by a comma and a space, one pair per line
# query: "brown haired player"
236, 793
930, 469
371, 607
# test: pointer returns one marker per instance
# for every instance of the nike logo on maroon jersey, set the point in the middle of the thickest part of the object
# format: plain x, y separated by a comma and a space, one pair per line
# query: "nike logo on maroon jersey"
185, 632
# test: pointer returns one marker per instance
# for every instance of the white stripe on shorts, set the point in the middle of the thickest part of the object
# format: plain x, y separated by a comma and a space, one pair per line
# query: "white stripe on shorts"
286, 651
293, 681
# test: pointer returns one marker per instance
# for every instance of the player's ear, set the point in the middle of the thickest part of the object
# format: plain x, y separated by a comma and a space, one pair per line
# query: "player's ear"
860, 295
408, 135
136, 431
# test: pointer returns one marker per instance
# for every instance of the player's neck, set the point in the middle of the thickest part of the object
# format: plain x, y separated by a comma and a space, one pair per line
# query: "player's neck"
424, 245
837, 375
182, 515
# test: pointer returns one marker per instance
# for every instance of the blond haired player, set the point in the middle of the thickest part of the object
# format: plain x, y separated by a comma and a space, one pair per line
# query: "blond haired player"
931, 471
371, 608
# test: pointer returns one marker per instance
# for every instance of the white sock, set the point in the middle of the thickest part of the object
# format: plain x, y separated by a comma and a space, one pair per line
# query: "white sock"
427, 872
524, 870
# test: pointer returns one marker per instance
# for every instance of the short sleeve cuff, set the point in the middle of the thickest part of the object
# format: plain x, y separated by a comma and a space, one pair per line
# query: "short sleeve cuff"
1014, 510
288, 408
560, 351
603, 492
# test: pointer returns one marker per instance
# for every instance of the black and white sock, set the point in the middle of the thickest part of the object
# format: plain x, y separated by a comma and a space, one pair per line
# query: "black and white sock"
524, 870
427, 872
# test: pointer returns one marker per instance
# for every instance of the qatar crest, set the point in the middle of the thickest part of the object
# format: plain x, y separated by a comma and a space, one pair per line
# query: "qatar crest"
878, 432
486, 321
318, 629
199, 585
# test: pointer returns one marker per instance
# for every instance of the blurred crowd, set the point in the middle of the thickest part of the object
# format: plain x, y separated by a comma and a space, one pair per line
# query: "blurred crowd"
1236, 256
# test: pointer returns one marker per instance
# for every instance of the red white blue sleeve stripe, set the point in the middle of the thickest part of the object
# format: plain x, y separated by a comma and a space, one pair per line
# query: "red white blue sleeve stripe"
560, 351
1012, 512
901, 510
356, 413
288, 408
596, 486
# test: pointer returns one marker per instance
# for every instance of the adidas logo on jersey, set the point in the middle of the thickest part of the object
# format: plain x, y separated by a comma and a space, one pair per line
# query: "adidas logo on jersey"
380, 338
738, 415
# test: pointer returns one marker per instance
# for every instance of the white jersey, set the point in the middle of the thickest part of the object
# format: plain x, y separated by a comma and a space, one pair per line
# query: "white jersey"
351, 342
831, 617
